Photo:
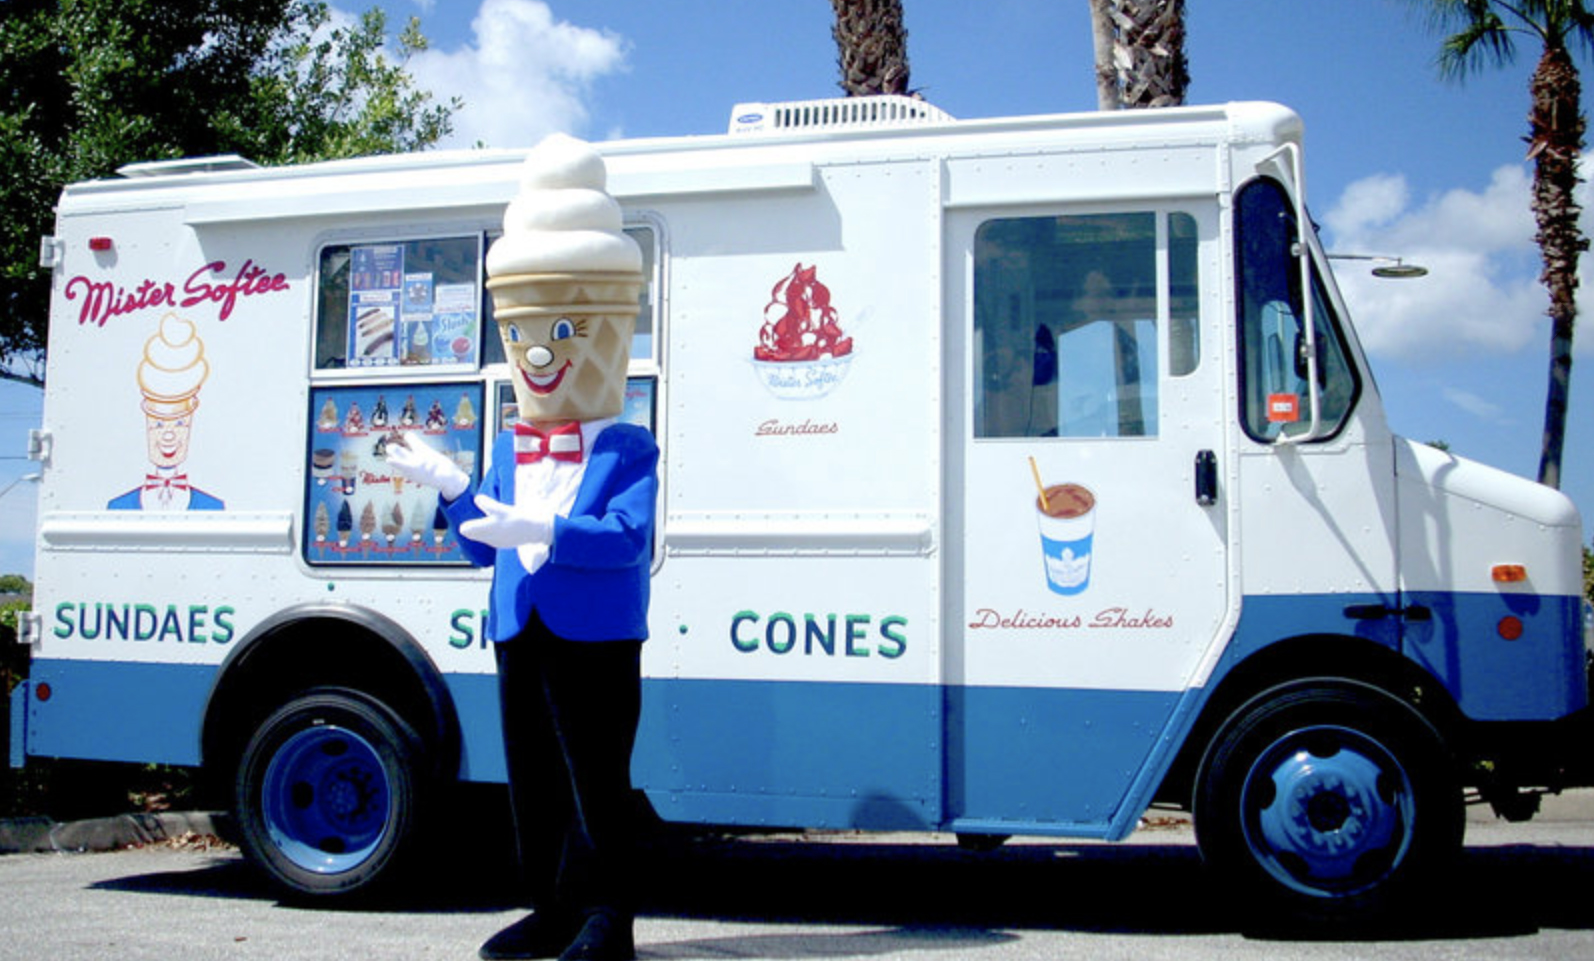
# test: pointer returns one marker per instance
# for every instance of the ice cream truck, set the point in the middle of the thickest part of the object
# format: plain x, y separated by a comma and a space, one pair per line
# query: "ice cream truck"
1018, 475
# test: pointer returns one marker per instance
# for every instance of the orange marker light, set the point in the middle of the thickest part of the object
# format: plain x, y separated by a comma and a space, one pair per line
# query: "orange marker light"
1509, 627
1509, 573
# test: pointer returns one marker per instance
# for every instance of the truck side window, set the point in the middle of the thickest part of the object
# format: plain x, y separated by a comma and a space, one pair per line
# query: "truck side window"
1184, 296
1066, 314
407, 303
1273, 359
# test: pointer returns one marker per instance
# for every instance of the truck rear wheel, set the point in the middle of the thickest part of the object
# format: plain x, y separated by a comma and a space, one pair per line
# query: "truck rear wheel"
328, 794
1327, 799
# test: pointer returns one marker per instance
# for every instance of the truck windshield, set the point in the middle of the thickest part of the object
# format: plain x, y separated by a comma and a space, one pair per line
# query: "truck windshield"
1275, 393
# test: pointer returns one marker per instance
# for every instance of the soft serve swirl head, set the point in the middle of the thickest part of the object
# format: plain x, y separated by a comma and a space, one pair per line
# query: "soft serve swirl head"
562, 221
173, 367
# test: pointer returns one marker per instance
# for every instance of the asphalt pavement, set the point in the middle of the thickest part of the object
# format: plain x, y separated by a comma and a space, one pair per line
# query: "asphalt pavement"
39, 835
1518, 894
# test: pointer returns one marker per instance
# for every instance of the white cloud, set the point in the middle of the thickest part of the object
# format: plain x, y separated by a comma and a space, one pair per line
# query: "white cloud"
523, 74
1479, 407
1482, 291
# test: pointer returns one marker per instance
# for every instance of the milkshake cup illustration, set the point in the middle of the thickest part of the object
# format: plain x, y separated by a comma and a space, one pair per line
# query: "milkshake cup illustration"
1066, 515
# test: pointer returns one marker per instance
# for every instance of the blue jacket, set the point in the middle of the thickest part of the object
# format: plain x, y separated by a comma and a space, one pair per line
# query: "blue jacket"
594, 586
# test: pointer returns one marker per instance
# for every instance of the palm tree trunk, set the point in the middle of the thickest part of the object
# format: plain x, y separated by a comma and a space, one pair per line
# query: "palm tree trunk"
1139, 46
872, 45
1109, 94
1557, 141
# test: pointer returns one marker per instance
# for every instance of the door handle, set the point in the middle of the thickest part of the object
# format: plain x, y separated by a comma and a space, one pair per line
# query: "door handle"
1206, 478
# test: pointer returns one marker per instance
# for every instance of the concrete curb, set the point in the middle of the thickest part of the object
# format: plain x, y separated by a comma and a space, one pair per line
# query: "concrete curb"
42, 835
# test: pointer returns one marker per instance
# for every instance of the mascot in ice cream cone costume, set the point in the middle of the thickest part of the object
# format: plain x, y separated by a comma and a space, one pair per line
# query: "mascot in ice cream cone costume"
564, 515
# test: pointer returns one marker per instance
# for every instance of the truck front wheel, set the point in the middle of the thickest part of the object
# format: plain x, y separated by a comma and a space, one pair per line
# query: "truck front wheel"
328, 794
1327, 799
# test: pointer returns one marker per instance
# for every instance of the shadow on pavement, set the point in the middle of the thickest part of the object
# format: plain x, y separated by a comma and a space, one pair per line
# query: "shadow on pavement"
938, 896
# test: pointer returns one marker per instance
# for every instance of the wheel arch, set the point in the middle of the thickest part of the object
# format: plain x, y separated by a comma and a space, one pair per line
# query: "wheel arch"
327, 645
1328, 657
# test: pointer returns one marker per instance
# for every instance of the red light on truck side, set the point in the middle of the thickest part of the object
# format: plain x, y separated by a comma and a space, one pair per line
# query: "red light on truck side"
1509, 574
100, 244
1509, 627
42, 691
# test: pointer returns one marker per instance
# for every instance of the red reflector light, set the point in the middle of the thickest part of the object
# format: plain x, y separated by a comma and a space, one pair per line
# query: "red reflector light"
1509, 627
99, 243
42, 691
1509, 573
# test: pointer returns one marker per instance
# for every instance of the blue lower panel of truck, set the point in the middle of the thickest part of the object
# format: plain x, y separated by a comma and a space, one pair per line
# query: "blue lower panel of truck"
117, 710
793, 753
872, 756
728, 752
889, 756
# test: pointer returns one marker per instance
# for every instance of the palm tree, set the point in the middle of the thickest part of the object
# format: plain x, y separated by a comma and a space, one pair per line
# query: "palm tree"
873, 46
1139, 53
1485, 31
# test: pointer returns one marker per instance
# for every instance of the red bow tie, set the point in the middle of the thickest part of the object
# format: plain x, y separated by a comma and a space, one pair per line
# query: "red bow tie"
155, 482
562, 443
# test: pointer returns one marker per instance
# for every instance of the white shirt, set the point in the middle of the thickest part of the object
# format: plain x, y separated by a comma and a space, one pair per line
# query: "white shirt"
549, 487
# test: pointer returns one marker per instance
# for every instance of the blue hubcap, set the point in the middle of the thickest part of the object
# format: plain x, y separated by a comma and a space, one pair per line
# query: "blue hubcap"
326, 799
1328, 811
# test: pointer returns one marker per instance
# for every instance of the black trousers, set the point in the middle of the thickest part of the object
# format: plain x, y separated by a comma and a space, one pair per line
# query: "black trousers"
570, 711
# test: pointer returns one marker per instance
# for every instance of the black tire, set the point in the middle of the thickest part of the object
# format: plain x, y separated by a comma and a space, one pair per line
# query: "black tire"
1327, 800
329, 793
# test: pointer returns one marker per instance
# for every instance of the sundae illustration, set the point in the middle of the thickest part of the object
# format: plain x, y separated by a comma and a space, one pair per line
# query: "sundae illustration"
170, 374
802, 352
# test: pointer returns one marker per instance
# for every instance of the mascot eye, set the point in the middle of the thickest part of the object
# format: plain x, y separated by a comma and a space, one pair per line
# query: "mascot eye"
563, 328
513, 334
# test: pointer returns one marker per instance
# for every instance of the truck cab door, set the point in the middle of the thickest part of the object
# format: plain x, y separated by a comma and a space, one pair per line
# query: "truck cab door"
1088, 530
1316, 460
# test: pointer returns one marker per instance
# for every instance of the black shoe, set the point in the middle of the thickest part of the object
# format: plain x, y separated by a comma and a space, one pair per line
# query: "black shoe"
606, 936
538, 935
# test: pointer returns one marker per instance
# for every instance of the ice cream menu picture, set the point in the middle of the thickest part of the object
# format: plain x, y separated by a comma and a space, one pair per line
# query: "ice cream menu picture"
401, 315
357, 510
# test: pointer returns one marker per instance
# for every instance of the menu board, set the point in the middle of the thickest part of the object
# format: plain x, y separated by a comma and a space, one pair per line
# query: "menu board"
357, 509
401, 315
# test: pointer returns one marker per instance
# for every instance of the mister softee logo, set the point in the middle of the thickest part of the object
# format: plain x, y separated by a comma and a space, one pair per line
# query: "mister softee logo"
214, 283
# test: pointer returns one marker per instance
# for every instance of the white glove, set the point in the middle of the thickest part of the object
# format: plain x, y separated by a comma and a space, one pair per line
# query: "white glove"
419, 463
508, 525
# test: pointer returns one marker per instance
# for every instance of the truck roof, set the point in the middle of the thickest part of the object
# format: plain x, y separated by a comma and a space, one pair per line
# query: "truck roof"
755, 154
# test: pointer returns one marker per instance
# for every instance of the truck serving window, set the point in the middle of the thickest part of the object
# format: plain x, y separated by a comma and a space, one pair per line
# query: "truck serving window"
1066, 314
405, 303
1274, 389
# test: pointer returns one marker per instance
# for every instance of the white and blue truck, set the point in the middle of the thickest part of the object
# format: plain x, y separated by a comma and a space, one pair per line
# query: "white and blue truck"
1017, 475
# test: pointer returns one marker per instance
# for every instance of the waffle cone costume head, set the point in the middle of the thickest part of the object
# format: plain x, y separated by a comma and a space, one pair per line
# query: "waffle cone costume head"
565, 281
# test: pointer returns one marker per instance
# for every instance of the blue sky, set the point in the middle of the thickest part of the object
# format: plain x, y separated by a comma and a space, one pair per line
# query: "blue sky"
1399, 162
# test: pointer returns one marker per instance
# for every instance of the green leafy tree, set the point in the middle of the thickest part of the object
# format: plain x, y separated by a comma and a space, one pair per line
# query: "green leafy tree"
1588, 574
1482, 32
89, 85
